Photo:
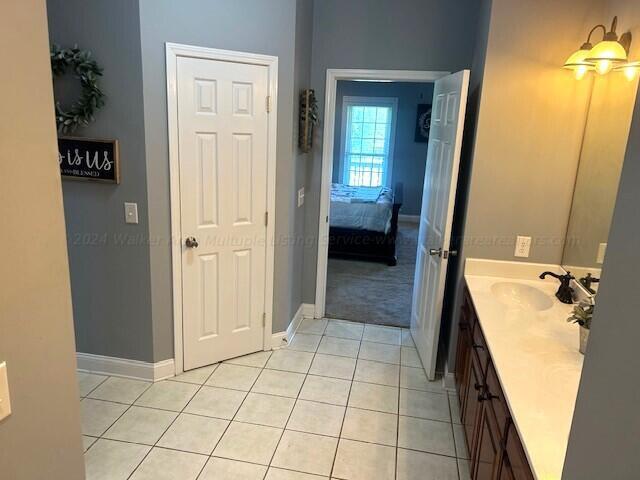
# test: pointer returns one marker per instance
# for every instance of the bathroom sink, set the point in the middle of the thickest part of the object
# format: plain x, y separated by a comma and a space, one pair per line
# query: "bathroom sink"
522, 296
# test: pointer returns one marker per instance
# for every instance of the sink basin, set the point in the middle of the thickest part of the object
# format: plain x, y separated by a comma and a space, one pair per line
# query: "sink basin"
522, 296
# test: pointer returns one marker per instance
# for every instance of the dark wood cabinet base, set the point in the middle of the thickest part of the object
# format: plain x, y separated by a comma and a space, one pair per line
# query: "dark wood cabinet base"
495, 448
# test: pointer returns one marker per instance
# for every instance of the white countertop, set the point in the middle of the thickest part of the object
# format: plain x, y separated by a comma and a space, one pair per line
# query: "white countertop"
535, 354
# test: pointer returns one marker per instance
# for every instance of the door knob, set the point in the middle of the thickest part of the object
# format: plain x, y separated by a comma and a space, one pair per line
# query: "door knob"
191, 242
435, 252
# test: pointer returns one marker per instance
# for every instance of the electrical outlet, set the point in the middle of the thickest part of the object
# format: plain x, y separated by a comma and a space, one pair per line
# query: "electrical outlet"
523, 245
301, 197
602, 250
130, 212
5, 401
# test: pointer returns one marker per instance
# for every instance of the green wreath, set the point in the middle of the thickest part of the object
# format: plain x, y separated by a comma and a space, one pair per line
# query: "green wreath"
87, 71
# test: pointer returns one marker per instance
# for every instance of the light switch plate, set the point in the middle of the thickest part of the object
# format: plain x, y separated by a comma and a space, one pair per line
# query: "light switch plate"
5, 401
602, 250
130, 212
523, 245
301, 197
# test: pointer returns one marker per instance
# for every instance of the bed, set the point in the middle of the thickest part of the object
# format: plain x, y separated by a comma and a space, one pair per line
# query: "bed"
363, 222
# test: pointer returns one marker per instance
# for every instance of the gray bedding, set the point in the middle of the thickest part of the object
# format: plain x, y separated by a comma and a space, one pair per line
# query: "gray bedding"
361, 208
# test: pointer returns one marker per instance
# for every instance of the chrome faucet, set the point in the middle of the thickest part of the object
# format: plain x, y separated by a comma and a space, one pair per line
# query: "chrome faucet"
565, 292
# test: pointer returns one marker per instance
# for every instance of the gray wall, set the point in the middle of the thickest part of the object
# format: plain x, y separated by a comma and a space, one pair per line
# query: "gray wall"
109, 260
375, 34
122, 292
246, 25
41, 438
409, 156
527, 145
519, 184
606, 425
301, 80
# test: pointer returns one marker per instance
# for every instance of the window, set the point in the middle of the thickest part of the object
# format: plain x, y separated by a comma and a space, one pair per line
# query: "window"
368, 129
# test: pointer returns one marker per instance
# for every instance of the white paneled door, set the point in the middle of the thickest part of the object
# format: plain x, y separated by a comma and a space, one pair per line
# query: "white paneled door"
222, 143
436, 216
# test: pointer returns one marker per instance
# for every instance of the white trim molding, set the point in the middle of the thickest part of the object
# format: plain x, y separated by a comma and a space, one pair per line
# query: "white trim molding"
308, 310
173, 52
279, 340
123, 367
282, 339
333, 75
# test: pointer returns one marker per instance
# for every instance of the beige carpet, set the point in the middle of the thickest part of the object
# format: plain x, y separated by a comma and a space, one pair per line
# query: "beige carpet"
374, 292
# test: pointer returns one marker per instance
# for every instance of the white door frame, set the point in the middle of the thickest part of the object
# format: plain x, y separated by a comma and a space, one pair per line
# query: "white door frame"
173, 51
333, 75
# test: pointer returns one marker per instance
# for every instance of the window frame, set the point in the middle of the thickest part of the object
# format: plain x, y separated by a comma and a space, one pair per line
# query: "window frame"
356, 101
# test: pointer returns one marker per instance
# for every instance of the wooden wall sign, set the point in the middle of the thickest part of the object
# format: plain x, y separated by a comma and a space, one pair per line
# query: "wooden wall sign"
89, 159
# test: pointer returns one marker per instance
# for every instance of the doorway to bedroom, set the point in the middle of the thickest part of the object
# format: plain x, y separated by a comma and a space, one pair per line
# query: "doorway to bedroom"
361, 206
379, 155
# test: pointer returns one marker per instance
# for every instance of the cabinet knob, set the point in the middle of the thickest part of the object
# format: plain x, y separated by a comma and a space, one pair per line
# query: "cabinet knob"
475, 346
486, 396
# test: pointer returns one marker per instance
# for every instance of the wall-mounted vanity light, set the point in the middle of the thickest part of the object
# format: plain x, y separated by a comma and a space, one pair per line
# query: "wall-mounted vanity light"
631, 70
577, 61
604, 56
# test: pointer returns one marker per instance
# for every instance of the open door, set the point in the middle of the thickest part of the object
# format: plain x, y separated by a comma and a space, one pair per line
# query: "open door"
436, 216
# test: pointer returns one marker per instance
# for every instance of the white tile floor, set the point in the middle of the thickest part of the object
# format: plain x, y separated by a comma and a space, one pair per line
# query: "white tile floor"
343, 401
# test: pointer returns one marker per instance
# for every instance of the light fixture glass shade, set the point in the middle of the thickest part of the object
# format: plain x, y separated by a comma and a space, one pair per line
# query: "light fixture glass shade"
631, 70
577, 62
606, 55
577, 58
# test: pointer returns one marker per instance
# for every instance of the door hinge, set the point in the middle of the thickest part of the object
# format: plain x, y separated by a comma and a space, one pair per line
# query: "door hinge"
264, 319
268, 103
266, 219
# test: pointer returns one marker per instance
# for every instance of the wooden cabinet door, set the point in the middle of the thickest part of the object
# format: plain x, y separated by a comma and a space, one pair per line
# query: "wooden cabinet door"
472, 404
506, 473
463, 363
488, 452
516, 456
495, 397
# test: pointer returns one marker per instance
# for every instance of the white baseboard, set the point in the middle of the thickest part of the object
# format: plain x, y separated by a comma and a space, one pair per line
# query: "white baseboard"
281, 339
123, 367
308, 310
409, 218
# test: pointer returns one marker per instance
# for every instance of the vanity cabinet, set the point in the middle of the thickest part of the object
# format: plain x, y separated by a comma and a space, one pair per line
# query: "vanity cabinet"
494, 445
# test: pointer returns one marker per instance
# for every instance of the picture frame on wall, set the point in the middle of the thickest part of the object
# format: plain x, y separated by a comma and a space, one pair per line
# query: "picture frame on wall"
89, 159
423, 123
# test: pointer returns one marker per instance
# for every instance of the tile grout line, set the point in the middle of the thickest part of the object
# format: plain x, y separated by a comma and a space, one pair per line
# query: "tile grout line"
94, 388
368, 442
307, 374
86, 396
335, 455
453, 433
284, 429
210, 456
101, 436
395, 466
166, 429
